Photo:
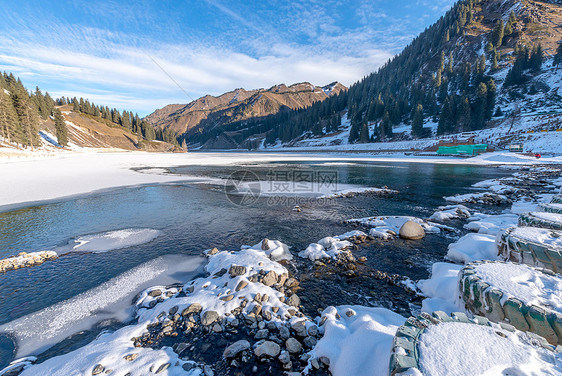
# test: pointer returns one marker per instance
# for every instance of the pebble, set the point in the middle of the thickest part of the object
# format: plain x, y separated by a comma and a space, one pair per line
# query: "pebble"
209, 317
236, 348
241, 285
294, 300
267, 348
98, 369
293, 346
262, 334
236, 270
162, 368
193, 308
270, 278
155, 293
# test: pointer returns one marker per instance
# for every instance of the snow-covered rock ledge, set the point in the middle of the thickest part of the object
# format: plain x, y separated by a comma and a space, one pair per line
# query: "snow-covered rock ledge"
441, 345
528, 298
24, 260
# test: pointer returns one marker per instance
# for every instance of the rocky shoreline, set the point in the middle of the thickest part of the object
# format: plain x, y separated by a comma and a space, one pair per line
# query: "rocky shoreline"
260, 311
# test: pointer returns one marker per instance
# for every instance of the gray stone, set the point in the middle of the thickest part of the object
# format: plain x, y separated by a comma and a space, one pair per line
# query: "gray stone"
98, 369
411, 231
209, 317
309, 342
267, 348
162, 368
265, 244
155, 293
270, 278
212, 251
293, 300
236, 348
188, 366
293, 346
236, 270
241, 285
284, 332
262, 334
193, 308
313, 331
217, 328
284, 357
208, 371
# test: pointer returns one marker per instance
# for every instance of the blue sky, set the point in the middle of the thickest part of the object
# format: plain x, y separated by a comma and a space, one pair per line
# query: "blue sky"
141, 55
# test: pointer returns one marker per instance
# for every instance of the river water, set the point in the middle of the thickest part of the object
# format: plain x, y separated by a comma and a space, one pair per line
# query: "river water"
192, 218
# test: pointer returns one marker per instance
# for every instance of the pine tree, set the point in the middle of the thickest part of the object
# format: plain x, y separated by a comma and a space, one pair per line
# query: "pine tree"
465, 115
386, 125
364, 134
28, 116
417, 121
479, 113
8, 118
497, 34
558, 57
75, 105
60, 128
490, 98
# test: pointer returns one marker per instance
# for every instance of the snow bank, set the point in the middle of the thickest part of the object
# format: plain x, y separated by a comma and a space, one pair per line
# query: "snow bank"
329, 247
358, 190
115, 352
456, 349
473, 247
491, 224
441, 289
112, 240
111, 300
522, 282
483, 198
357, 339
448, 212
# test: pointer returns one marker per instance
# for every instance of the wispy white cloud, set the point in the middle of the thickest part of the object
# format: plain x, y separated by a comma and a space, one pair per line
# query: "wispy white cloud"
312, 42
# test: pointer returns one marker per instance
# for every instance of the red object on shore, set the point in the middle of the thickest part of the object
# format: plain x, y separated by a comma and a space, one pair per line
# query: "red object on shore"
537, 155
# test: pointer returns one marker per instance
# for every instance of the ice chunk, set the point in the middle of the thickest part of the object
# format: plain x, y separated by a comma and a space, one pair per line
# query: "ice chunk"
111, 240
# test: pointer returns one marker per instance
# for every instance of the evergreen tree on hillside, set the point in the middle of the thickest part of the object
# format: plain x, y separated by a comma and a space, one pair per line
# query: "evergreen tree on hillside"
490, 98
558, 56
417, 121
28, 116
479, 113
364, 134
497, 34
8, 118
60, 128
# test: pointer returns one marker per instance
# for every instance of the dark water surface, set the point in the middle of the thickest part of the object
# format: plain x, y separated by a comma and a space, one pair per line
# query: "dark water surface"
194, 218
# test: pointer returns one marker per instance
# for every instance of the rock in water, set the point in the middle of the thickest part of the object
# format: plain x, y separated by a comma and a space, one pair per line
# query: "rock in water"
236, 348
411, 231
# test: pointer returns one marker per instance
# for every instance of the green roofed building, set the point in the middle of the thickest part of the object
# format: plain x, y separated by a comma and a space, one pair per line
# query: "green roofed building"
473, 149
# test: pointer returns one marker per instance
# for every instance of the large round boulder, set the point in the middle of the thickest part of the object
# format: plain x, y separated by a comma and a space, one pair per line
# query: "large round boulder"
411, 230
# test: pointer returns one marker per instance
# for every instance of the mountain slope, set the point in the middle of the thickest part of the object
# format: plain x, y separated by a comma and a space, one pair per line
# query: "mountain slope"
483, 63
209, 112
